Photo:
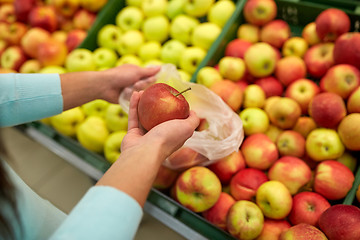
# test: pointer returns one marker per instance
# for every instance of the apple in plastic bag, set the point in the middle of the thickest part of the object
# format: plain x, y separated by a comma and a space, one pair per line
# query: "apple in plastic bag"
159, 103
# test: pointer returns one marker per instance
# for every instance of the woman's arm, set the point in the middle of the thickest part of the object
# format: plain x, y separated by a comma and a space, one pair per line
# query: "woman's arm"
82, 87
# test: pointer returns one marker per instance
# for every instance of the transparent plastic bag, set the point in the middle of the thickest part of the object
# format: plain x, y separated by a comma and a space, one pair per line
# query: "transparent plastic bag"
224, 134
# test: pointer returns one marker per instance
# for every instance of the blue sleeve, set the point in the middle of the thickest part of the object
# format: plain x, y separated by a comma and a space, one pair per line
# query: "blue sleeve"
103, 213
29, 97
38, 217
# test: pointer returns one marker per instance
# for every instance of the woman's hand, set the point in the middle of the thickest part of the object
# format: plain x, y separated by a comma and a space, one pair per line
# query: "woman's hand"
124, 76
169, 135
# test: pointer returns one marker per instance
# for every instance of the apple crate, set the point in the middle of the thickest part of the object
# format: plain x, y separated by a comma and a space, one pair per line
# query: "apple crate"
297, 13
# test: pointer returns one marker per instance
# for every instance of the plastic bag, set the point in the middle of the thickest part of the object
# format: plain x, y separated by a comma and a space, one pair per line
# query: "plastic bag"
224, 134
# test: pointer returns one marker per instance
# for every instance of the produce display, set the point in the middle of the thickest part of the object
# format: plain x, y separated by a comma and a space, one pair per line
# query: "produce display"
36, 36
297, 93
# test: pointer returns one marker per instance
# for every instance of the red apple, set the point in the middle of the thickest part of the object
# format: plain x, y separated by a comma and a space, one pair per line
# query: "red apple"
327, 109
319, 58
237, 48
12, 58
230, 92
75, 38
303, 231
349, 131
331, 23
23, 8
165, 178
15, 33
346, 48
184, 158
304, 125
244, 183
271, 86
198, 188
302, 91
83, 19
283, 112
340, 222
226, 167
259, 151
7, 13
352, 104
52, 53
341, 79
3, 46
32, 39
307, 208
159, 103
289, 69
259, 12
293, 172
275, 33
66, 8
291, 143
272, 229
217, 214
43, 17
333, 180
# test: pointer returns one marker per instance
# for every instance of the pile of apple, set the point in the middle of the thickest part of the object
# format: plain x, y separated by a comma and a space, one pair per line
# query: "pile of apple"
299, 100
36, 36
144, 33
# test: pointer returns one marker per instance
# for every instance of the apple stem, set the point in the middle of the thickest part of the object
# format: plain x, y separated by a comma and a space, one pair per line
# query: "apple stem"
189, 88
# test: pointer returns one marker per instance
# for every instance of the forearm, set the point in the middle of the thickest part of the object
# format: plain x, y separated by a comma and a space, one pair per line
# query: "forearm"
79, 88
135, 171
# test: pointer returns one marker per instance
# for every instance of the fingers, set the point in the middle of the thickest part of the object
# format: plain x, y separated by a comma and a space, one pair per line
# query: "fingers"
133, 121
141, 85
193, 120
149, 71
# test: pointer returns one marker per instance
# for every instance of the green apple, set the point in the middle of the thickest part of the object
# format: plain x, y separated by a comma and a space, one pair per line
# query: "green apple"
152, 62
112, 145
149, 50
92, 133
191, 58
129, 18
181, 28
255, 120
53, 69
171, 51
205, 34
220, 12
67, 122
80, 59
116, 118
185, 76
245, 220
274, 199
154, 8
254, 96
105, 57
249, 32
260, 59
232, 68
109, 36
130, 42
96, 107
135, 3
208, 75
349, 160
129, 59
198, 8
323, 144
156, 28
174, 8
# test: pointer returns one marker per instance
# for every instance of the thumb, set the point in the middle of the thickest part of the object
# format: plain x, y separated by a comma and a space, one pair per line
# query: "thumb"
149, 71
